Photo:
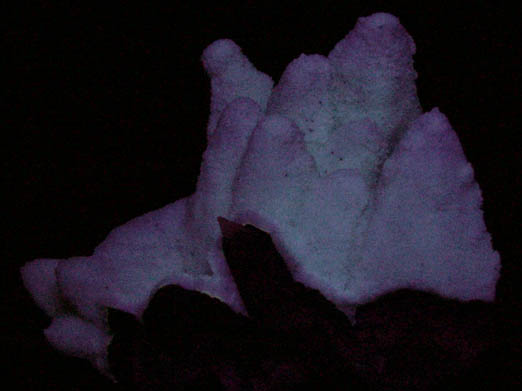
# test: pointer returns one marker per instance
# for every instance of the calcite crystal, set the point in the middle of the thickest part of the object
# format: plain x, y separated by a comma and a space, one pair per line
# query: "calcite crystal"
362, 193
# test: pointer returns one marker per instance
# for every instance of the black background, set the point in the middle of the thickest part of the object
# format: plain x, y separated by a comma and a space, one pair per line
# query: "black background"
106, 108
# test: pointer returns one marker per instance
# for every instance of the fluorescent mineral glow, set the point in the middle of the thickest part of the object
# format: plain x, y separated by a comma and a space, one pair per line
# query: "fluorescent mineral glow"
361, 191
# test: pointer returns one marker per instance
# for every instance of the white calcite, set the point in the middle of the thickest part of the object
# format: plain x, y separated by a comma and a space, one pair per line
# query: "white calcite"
361, 191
